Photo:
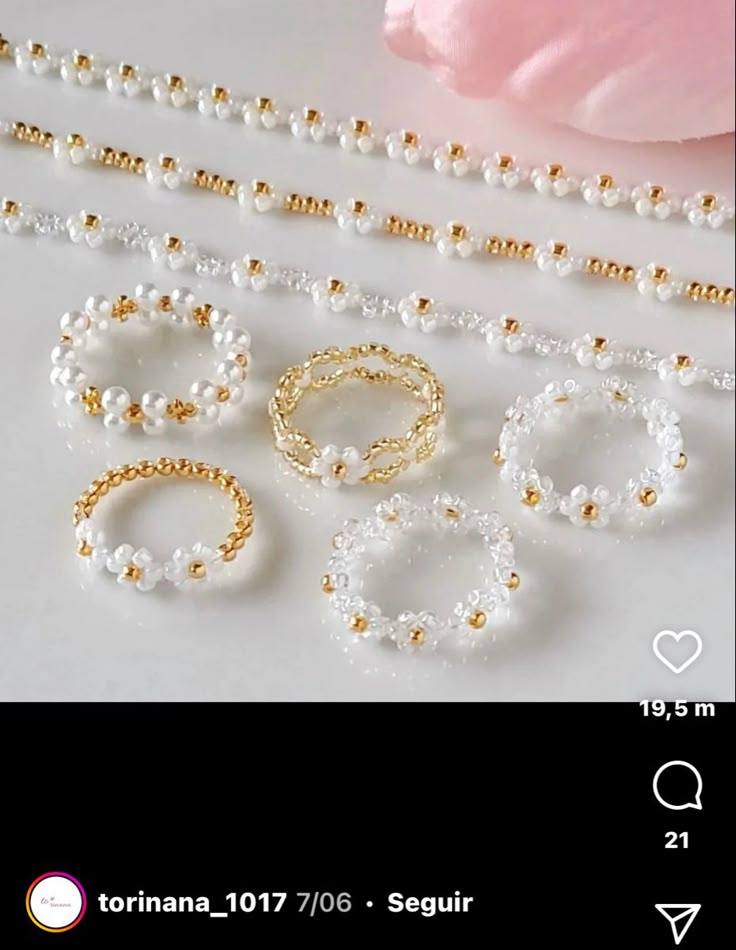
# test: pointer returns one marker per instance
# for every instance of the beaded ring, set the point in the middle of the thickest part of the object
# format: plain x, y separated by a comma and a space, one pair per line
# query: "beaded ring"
138, 568
399, 515
148, 307
583, 507
336, 466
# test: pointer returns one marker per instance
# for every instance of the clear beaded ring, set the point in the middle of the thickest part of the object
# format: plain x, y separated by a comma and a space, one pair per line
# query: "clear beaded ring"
384, 458
149, 307
138, 568
582, 506
372, 538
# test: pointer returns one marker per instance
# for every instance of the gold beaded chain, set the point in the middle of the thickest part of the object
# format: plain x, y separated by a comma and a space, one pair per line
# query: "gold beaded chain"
184, 468
411, 373
394, 224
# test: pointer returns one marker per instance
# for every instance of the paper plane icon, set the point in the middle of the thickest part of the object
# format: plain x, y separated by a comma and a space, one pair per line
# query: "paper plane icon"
680, 917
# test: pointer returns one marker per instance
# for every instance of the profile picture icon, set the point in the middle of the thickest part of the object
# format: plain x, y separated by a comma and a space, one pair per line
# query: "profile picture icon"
56, 902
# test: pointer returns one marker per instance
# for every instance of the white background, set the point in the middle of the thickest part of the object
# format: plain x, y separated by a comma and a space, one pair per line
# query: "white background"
590, 602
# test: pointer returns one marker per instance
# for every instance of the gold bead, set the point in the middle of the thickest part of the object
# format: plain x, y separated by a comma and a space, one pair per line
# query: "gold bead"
682, 361
227, 552
339, 470
36, 49
708, 202
513, 581
504, 162
457, 232
264, 104
326, 584
197, 570
165, 466
174, 82
183, 467
417, 636
409, 139
452, 513
593, 265
173, 243
223, 393
219, 94
726, 296
424, 305
659, 274
498, 459
312, 116
358, 623
134, 413
599, 344
604, 182
91, 221
559, 250
4, 46
589, 511
132, 573
335, 286
455, 151
510, 325
530, 496
477, 619
554, 171
84, 549
361, 127
656, 193
145, 469
125, 71
694, 289
647, 497
681, 462
10, 208
129, 473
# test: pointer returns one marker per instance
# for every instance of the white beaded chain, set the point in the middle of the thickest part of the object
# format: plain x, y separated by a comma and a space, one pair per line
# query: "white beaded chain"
149, 307
452, 240
361, 136
415, 311
359, 541
515, 453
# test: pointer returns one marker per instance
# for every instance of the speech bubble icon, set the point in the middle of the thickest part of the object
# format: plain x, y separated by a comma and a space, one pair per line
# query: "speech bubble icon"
693, 800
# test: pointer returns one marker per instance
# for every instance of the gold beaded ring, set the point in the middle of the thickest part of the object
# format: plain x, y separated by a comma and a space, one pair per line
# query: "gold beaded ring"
336, 466
148, 306
138, 568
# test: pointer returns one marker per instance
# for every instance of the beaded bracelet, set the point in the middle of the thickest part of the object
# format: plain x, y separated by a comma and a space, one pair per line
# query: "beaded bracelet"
336, 466
398, 516
138, 568
149, 307
584, 507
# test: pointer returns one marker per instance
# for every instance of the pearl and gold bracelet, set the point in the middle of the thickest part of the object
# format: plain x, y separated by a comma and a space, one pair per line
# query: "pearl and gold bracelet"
138, 568
389, 522
149, 307
453, 240
360, 136
584, 507
417, 311
372, 363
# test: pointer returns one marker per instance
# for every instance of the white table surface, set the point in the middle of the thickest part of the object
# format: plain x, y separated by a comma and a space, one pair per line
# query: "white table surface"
590, 602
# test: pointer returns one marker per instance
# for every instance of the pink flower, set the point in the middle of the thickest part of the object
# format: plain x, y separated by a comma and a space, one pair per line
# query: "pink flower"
639, 70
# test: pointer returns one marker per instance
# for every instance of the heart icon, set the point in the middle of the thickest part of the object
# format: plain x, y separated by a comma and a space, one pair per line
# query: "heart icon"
697, 648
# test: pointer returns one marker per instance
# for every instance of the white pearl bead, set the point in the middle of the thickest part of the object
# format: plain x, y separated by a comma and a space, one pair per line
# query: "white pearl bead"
230, 372
63, 355
74, 321
154, 426
183, 300
153, 403
73, 377
98, 307
204, 392
147, 296
220, 318
237, 393
115, 400
237, 340
115, 423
